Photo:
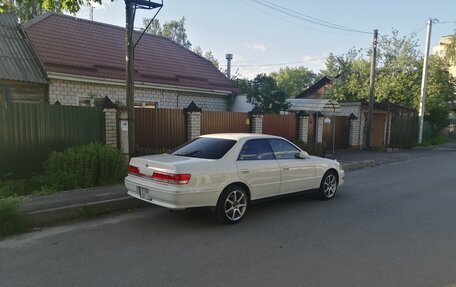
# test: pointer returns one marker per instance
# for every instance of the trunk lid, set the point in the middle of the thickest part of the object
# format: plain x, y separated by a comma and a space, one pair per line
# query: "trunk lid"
166, 163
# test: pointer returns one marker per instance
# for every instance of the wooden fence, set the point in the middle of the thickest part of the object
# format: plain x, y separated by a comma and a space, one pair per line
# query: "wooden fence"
29, 132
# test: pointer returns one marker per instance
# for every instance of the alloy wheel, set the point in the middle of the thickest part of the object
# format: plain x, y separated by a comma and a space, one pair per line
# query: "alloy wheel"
235, 205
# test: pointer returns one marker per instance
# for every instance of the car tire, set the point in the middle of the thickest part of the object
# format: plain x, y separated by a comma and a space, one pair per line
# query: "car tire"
232, 204
328, 186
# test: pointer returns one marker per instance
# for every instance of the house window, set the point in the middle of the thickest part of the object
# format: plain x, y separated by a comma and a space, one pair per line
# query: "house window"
85, 102
146, 104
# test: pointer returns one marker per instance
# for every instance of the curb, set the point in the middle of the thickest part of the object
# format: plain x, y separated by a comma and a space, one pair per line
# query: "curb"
61, 214
51, 216
349, 166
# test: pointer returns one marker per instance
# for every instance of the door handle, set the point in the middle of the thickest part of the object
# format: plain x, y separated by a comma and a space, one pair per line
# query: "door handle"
244, 171
286, 168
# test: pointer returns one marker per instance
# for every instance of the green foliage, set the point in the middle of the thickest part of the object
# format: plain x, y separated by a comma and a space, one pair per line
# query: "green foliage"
353, 83
6, 7
243, 84
174, 30
435, 140
22, 187
28, 9
450, 53
12, 220
317, 149
264, 94
398, 75
294, 80
437, 116
84, 166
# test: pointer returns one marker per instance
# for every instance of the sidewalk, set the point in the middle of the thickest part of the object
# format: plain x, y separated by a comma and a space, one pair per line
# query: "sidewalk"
63, 206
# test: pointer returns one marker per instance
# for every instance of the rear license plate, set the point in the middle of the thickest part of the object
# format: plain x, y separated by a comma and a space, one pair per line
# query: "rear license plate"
144, 193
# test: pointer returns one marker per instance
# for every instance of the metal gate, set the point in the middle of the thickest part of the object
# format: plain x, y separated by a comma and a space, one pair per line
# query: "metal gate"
281, 125
224, 122
342, 132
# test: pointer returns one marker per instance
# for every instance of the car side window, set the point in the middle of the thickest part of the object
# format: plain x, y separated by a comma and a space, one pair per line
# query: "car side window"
283, 149
256, 150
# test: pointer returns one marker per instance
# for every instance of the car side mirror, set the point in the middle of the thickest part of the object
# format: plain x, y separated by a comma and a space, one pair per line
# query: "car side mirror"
302, 155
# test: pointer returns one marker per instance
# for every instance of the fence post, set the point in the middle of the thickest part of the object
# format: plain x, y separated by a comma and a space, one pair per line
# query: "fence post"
303, 126
256, 119
110, 113
193, 121
122, 127
354, 128
319, 118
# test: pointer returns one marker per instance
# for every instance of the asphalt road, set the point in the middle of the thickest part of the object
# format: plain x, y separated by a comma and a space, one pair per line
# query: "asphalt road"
390, 225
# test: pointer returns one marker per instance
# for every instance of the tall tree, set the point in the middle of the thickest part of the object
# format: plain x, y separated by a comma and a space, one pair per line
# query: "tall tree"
264, 94
398, 77
174, 30
293, 80
353, 83
28, 9
208, 55
450, 54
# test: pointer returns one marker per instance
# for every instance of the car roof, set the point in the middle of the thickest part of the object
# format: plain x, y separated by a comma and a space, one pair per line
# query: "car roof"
238, 136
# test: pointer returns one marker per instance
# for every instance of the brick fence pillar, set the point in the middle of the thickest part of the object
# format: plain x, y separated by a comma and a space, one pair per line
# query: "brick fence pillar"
193, 121
303, 126
319, 118
122, 127
256, 119
355, 129
111, 127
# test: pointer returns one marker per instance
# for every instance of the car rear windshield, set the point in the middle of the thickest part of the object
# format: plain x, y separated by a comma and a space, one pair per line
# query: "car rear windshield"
209, 148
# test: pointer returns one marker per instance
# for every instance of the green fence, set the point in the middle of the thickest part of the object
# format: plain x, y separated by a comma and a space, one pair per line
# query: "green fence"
29, 132
404, 129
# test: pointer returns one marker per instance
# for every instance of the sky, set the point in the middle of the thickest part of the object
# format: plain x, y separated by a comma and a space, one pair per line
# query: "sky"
262, 39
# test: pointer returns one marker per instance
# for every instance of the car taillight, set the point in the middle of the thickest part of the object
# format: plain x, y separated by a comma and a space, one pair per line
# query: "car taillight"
133, 169
172, 178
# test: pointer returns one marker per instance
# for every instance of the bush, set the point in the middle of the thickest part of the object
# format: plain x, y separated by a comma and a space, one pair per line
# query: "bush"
12, 220
21, 187
84, 166
436, 140
318, 149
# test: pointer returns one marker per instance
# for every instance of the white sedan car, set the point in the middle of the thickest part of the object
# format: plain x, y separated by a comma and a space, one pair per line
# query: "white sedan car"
228, 171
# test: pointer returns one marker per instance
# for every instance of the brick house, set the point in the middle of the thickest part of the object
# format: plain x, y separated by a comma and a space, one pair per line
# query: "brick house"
85, 60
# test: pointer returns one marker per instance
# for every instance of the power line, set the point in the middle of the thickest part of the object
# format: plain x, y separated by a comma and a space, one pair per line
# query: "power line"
446, 22
306, 18
294, 23
291, 63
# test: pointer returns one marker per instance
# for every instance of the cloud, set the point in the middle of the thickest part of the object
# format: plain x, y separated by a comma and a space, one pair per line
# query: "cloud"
256, 46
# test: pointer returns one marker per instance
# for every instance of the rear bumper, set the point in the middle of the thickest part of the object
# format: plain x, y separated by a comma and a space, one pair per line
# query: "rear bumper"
171, 196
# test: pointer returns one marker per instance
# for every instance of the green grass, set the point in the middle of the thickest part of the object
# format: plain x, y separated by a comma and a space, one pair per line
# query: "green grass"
437, 140
12, 220
21, 187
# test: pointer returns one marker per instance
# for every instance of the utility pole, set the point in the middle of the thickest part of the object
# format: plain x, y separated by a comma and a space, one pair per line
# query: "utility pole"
423, 80
130, 9
129, 61
91, 13
370, 112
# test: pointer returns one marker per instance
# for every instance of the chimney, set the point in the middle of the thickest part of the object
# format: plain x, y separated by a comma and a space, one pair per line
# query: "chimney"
229, 57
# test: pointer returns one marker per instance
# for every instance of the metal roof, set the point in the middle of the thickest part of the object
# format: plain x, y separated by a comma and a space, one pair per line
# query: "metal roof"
314, 105
18, 60
78, 47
